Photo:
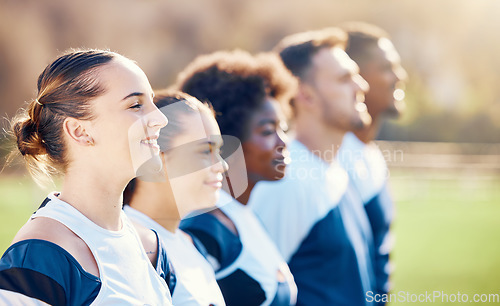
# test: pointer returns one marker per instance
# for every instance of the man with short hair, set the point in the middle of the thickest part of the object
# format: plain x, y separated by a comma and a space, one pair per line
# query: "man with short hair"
314, 215
380, 65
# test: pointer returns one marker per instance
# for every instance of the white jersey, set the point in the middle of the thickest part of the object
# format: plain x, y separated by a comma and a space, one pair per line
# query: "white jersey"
365, 164
126, 273
319, 225
259, 257
196, 283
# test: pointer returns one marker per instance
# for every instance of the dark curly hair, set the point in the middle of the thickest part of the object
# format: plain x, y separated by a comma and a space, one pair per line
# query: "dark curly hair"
236, 84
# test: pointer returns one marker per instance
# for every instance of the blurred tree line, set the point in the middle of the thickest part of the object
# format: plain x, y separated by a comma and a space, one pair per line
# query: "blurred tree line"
449, 47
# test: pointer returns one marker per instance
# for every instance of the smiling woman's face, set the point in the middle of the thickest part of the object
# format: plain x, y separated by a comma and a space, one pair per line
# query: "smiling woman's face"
193, 165
264, 148
126, 123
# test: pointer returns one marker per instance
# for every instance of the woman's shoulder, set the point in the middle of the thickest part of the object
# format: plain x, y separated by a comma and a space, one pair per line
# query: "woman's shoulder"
212, 236
51, 230
157, 254
149, 241
45, 229
213, 222
43, 270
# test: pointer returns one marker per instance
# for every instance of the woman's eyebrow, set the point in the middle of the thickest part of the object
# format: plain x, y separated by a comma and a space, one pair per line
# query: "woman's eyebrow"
134, 94
266, 121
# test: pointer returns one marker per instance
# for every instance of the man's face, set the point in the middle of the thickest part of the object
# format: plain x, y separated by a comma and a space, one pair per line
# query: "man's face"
338, 89
382, 69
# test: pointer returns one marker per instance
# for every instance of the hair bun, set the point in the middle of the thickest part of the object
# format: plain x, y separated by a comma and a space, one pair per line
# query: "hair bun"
28, 139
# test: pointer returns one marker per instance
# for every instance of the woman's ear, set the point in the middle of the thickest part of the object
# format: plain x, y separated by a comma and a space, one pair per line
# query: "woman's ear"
76, 131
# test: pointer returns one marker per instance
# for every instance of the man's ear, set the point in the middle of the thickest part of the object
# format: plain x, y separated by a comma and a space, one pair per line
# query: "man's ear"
306, 95
76, 130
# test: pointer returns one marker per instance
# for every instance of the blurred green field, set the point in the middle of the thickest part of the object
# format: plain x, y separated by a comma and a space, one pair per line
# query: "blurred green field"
20, 198
447, 230
447, 235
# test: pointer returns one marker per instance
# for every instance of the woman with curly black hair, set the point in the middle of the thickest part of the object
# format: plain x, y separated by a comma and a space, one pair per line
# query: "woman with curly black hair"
248, 94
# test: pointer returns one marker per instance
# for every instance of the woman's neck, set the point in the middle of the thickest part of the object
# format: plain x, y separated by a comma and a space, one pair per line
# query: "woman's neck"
98, 198
157, 201
245, 196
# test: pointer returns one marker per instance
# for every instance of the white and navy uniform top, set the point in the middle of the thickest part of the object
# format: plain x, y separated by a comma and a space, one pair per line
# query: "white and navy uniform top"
196, 284
38, 272
317, 223
247, 264
369, 174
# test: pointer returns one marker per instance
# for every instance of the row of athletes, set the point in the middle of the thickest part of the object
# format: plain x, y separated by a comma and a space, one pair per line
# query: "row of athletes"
264, 239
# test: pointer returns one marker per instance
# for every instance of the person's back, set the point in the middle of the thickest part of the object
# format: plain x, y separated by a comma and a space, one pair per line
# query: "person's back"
380, 65
368, 173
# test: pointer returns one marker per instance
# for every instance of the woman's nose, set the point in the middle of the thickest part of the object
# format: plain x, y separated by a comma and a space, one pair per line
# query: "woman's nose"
282, 140
221, 165
156, 118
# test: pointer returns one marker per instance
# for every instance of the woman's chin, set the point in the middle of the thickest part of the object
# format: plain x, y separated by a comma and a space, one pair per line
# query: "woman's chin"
210, 201
279, 173
151, 170
200, 209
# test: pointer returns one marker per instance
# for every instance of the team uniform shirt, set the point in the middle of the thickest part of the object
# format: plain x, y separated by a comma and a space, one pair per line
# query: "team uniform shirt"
247, 266
196, 283
368, 172
318, 224
38, 272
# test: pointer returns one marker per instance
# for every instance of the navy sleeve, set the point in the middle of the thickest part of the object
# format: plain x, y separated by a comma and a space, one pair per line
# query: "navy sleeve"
163, 266
379, 211
222, 247
43, 270
213, 239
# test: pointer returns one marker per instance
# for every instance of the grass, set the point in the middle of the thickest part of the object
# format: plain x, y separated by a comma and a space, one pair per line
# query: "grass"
447, 236
20, 198
447, 230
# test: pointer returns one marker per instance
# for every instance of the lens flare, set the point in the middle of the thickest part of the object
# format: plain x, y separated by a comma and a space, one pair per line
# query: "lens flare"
399, 94
361, 107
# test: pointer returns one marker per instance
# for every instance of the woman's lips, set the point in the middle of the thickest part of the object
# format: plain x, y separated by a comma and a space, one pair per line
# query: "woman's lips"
151, 142
215, 184
281, 160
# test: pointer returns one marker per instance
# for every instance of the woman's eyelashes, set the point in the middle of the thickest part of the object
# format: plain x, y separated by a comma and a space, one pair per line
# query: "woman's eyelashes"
212, 149
268, 129
136, 105
207, 149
